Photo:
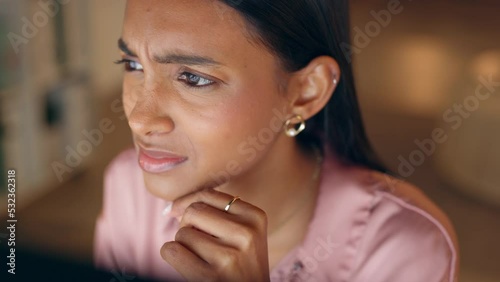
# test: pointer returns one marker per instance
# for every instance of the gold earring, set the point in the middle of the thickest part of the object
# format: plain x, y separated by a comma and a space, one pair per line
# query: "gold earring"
291, 130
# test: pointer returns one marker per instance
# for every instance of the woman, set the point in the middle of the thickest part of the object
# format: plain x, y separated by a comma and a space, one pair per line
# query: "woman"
251, 162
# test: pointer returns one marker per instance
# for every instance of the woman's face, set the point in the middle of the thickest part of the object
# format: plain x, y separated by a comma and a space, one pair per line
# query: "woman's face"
203, 101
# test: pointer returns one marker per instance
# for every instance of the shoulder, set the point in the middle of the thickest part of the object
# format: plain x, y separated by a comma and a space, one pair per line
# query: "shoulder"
122, 173
406, 234
124, 163
395, 231
124, 189
113, 236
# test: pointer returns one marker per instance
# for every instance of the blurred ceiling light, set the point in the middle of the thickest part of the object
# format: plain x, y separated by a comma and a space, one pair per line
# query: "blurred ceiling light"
425, 73
486, 63
470, 159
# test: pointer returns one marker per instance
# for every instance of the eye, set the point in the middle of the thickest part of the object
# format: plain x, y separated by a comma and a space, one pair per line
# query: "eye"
130, 65
193, 80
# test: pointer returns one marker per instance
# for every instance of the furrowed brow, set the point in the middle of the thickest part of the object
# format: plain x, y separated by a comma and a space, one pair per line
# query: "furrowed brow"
173, 58
124, 48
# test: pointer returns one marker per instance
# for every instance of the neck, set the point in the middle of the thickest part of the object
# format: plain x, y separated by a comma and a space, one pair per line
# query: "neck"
280, 183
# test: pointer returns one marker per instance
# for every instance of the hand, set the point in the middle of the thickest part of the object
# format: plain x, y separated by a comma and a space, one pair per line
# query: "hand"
214, 245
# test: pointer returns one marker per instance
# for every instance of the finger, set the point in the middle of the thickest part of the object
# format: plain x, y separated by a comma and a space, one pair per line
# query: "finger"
207, 247
188, 264
211, 197
231, 229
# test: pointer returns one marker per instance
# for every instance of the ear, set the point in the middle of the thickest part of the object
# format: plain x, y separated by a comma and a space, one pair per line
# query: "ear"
310, 88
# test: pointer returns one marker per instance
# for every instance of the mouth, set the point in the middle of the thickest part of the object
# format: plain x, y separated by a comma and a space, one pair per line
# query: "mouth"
156, 161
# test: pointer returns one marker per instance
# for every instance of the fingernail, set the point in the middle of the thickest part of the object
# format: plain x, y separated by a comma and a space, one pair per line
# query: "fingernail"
167, 209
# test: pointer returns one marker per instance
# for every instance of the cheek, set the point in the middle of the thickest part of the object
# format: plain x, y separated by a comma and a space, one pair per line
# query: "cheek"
239, 132
130, 94
221, 140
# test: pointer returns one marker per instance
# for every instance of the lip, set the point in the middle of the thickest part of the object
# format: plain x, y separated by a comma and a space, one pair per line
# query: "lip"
156, 161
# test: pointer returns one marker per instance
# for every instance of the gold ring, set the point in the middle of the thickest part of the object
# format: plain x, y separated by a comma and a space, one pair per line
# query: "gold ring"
226, 209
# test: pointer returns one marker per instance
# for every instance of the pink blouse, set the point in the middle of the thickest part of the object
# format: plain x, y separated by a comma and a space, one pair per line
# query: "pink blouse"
367, 226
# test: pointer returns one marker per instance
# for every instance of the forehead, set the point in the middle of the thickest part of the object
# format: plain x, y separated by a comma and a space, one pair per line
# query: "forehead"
205, 27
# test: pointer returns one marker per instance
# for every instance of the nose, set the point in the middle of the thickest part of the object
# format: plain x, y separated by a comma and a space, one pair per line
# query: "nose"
147, 118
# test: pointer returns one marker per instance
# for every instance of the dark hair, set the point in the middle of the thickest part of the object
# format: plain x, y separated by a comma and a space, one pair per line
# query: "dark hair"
297, 32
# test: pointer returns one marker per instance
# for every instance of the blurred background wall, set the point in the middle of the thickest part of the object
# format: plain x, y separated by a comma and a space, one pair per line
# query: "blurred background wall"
56, 72
428, 76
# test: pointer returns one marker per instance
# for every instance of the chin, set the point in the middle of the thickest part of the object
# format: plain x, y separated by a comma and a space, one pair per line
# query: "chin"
169, 189
164, 188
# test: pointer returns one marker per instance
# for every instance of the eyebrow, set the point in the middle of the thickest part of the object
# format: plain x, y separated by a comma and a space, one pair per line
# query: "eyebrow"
124, 48
172, 58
